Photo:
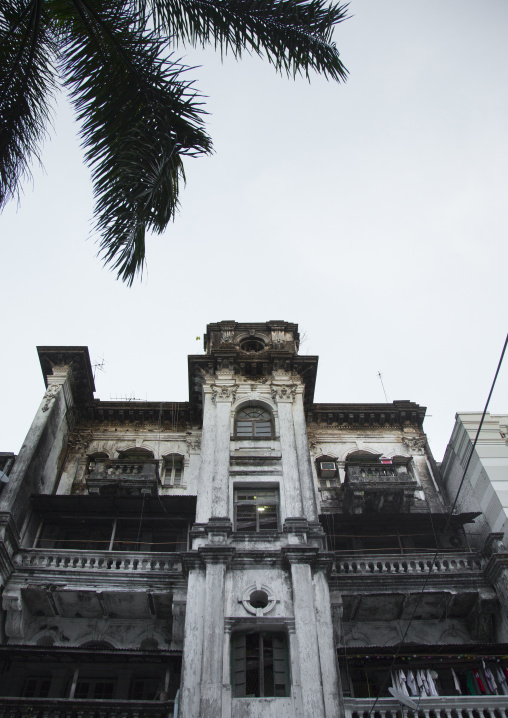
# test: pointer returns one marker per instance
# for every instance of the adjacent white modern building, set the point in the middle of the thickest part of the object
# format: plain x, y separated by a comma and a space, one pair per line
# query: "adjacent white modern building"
485, 487
249, 553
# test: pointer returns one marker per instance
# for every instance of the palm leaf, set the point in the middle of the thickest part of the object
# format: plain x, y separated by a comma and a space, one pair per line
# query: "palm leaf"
27, 48
294, 35
140, 118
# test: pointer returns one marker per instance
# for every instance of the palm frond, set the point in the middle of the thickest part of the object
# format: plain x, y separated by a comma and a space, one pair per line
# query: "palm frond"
294, 35
27, 48
139, 119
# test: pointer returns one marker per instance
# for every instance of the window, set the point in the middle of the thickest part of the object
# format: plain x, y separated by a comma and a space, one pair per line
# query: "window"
95, 688
253, 422
146, 689
173, 470
259, 665
36, 687
91, 534
256, 509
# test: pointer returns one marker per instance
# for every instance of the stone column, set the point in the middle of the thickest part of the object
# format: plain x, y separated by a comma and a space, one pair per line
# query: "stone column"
193, 644
213, 493
332, 693
223, 395
216, 559
303, 455
307, 630
204, 488
284, 394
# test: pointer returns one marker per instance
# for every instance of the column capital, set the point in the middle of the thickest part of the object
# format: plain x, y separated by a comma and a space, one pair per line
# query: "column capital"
224, 392
283, 392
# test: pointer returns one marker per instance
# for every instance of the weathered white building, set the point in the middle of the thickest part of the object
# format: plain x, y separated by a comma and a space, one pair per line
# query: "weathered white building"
246, 554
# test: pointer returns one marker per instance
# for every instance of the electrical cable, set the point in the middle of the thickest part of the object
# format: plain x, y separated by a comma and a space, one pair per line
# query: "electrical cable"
431, 567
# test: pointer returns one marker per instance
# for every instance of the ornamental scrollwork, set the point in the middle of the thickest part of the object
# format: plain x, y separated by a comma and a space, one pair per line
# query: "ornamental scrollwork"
283, 392
415, 443
50, 394
223, 393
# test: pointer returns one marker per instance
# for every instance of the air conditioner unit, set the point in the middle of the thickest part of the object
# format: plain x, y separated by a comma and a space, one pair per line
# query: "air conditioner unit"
327, 469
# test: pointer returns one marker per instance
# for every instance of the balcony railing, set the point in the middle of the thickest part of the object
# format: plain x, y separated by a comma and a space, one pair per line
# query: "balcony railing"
64, 708
416, 564
124, 476
121, 562
378, 488
435, 707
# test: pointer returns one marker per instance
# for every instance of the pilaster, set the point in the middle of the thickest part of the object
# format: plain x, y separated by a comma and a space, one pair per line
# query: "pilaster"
284, 392
300, 559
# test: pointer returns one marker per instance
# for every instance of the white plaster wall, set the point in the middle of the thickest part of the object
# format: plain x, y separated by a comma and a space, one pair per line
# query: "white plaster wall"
263, 708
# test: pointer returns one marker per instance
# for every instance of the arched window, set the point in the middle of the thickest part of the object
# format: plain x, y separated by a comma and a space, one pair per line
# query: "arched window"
173, 470
253, 422
136, 454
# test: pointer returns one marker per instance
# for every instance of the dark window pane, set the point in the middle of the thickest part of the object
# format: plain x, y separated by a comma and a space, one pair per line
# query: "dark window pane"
268, 682
244, 428
267, 517
82, 688
252, 661
262, 428
76, 534
245, 517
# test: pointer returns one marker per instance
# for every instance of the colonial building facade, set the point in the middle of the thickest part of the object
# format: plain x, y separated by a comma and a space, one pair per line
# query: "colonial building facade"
246, 554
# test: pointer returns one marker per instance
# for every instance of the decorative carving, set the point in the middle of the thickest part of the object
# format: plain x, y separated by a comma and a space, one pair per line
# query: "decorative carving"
16, 619
227, 336
50, 395
224, 393
415, 444
283, 392
80, 441
193, 442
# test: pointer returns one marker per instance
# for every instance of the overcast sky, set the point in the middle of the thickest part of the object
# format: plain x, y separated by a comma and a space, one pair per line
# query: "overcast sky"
371, 213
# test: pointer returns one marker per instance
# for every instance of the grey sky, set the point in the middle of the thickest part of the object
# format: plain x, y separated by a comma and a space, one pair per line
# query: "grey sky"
371, 213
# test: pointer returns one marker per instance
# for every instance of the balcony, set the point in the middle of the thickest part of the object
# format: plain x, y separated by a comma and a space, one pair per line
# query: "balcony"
124, 477
378, 488
435, 707
65, 708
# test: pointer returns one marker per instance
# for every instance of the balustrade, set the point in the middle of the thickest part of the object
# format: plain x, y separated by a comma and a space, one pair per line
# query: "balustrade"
96, 561
435, 707
444, 563
64, 708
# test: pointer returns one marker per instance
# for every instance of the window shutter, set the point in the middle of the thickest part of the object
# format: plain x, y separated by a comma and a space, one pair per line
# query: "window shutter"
280, 666
238, 665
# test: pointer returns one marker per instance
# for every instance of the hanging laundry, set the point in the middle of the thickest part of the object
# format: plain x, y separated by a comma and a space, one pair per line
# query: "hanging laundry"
402, 682
489, 678
411, 683
431, 680
456, 682
421, 683
479, 680
501, 680
471, 685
